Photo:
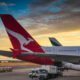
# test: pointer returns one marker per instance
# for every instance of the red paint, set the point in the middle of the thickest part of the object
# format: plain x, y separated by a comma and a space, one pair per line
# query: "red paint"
14, 26
38, 60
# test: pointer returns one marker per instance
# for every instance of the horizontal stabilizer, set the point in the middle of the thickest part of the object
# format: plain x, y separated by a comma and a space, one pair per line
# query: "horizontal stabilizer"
6, 53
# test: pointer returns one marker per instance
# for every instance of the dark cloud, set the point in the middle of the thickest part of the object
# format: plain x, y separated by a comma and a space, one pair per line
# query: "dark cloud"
70, 22
41, 3
66, 7
48, 21
73, 3
46, 3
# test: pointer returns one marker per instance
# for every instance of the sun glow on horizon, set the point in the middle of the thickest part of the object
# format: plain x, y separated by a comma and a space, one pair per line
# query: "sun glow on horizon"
65, 38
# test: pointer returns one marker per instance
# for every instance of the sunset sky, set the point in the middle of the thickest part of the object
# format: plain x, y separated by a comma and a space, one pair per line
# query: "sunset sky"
44, 19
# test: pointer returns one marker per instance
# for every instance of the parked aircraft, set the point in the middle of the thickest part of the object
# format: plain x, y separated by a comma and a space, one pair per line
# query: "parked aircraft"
27, 49
66, 65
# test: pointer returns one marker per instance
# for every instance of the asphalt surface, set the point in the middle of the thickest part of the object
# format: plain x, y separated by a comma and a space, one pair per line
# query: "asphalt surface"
22, 74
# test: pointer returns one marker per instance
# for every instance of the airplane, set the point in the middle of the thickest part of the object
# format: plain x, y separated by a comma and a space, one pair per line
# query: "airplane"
22, 41
67, 65
27, 49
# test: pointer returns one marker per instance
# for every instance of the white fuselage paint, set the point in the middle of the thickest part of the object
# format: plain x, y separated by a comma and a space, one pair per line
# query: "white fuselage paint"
67, 50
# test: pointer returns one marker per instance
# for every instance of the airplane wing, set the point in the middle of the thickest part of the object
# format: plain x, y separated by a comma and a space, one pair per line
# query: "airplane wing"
10, 53
6, 53
57, 57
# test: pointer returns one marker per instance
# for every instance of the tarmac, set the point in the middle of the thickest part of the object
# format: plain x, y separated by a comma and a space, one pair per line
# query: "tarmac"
22, 74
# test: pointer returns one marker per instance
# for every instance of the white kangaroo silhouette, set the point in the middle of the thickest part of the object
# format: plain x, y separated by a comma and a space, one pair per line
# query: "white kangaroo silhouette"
21, 39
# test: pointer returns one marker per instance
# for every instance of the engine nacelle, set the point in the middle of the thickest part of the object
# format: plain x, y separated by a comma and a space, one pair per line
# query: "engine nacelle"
71, 66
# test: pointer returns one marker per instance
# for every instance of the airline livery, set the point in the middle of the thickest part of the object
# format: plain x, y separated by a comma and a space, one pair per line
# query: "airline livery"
54, 42
27, 49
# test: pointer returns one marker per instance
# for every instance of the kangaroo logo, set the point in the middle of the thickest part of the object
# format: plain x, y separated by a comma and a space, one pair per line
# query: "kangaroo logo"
21, 39
28, 41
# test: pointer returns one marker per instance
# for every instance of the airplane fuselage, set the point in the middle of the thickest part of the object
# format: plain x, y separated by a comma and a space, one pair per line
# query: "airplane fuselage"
64, 50
22, 42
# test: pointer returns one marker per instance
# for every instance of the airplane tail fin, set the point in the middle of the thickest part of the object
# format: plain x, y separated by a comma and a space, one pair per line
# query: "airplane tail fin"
20, 38
54, 42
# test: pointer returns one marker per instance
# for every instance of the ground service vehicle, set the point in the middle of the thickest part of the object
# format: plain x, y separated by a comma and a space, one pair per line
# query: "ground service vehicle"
53, 71
42, 74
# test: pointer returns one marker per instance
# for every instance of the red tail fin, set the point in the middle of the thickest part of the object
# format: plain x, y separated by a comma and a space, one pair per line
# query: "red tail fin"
20, 39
